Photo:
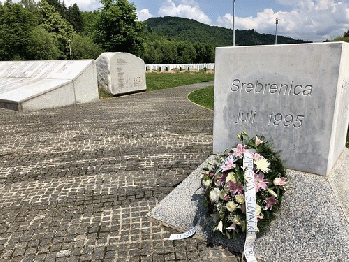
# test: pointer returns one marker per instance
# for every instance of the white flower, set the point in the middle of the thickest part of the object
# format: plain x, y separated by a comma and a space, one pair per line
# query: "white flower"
262, 164
220, 226
223, 193
214, 195
258, 141
272, 193
258, 210
231, 206
230, 177
237, 220
207, 182
240, 198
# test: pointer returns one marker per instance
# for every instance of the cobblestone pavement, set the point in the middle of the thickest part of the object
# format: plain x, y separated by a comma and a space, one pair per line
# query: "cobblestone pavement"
77, 182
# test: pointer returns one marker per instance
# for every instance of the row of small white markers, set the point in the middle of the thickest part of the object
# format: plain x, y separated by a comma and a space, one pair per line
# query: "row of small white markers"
168, 67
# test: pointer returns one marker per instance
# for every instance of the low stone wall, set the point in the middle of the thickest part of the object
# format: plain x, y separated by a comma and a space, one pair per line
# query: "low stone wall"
189, 67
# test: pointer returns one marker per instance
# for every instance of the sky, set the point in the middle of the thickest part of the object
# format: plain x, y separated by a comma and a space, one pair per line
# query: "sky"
314, 20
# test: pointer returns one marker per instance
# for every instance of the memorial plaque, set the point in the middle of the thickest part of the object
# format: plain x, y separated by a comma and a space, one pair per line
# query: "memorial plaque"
295, 95
120, 73
31, 85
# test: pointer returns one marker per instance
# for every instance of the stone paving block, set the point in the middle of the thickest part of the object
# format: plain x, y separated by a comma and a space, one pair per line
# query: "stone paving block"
83, 178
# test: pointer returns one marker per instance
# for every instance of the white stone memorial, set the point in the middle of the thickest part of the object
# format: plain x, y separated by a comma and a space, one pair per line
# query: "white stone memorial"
33, 85
120, 73
295, 95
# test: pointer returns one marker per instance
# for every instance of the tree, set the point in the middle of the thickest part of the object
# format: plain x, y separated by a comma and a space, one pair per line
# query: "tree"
168, 49
59, 7
42, 45
74, 18
90, 19
84, 48
204, 53
118, 29
186, 52
16, 22
53, 22
30, 5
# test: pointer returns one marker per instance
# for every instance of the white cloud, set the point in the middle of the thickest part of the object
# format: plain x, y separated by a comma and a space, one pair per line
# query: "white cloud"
316, 20
143, 14
185, 8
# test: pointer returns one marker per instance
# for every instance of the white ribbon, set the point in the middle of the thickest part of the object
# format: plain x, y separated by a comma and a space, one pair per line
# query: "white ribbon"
250, 200
186, 234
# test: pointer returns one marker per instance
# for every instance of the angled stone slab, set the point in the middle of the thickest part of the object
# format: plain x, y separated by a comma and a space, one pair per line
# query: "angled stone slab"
295, 95
32, 85
120, 73
311, 224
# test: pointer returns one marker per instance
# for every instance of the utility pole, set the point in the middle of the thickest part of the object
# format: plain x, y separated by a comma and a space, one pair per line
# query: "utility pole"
69, 42
276, 30
233, 22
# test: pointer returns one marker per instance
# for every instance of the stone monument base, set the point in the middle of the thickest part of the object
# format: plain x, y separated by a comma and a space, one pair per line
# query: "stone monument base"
34, 85
311, 225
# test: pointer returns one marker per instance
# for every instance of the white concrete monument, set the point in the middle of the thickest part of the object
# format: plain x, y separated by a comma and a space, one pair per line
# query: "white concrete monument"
32, 85
295, 95
120, 73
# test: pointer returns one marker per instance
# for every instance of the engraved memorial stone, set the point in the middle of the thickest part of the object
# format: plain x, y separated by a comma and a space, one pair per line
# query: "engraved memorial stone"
120, 73
295, 95
32, 85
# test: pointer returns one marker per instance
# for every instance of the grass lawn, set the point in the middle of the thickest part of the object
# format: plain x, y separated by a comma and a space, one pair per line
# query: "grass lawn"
157, 81
203, 97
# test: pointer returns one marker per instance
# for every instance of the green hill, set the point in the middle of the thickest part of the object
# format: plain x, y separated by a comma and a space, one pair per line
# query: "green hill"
185, 29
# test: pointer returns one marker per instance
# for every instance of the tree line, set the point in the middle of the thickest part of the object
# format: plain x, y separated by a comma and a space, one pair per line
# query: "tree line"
51, 30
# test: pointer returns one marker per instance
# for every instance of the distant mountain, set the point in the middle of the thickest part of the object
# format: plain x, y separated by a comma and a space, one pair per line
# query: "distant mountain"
185, 29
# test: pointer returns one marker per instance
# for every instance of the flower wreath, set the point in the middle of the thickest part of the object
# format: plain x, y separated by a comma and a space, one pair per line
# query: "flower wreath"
224, 186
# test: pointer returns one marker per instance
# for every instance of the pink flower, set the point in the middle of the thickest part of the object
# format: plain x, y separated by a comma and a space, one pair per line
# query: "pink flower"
235, 187
269, 203
229, 165
256, 156
260, 182
239, 151
280, 181
258, 141
223, 178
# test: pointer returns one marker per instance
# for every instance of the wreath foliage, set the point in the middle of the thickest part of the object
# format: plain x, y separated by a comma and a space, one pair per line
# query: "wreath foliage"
224, 183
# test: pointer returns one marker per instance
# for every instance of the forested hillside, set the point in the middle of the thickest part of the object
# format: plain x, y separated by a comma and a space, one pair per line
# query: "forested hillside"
49, 29
182, 40
191, 30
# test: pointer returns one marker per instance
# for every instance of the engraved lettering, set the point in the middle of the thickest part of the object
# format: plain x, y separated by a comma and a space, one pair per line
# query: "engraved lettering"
308, 90
258, 85
298, 121
249, 87
297, 92
273, 89
288, 120
236, 85
244, 117
285, 89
